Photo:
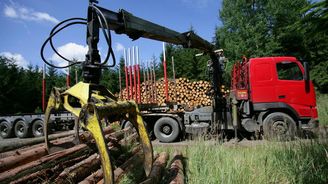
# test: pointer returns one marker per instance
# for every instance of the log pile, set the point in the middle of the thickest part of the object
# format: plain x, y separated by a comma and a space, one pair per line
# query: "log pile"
81, 163
183, 92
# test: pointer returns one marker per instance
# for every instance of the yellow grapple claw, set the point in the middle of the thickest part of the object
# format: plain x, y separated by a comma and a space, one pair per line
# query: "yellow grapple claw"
138, 123
91, 122
96, 104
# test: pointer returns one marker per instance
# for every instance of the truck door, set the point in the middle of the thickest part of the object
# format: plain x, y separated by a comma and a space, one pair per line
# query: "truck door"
290, 87
262, 80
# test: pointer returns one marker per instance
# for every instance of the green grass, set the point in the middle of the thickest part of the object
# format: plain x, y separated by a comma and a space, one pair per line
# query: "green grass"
299, 162
322, 105
296, 162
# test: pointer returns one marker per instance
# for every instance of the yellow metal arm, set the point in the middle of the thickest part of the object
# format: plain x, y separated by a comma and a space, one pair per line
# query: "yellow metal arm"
93, 103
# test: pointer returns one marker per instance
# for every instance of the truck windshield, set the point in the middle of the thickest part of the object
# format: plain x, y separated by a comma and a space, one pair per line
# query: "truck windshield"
289, 71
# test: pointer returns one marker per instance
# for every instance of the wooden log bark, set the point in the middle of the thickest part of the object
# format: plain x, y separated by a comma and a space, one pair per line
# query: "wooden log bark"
98, 175
158, 169
47, 173
51, 161
45, 162
8, 149
184, 92
28, 142
17, 160
176, 171
19, 151
21, 158
80, 170
133, 162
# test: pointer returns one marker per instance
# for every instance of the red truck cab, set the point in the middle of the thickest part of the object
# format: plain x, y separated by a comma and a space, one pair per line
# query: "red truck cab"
274, 93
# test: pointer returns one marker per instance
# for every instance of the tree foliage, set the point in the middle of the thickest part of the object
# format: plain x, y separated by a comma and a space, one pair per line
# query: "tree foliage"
256, 28
186, 64
19, 87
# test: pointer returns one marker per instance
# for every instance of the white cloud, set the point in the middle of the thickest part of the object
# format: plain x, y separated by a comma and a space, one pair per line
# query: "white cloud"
18, 12
70, 51
119, 47
18, 58
10, 12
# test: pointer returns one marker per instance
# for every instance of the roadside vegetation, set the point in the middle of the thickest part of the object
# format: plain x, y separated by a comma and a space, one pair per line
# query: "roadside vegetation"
322, 105
270, 162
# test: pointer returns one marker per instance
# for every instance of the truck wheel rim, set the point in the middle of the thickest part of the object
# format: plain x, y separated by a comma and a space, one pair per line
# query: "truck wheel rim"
280, 127
167, 130
39, 130
4, 129
20, 129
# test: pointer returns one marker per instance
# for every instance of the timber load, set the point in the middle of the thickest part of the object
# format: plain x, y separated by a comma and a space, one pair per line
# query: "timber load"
183, 91
80, 163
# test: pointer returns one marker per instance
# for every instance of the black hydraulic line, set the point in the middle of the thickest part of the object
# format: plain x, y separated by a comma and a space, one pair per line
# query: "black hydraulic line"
54, 29
101, 18
50, 37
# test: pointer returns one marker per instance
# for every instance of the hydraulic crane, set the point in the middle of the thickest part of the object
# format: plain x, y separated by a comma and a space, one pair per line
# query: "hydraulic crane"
92, 103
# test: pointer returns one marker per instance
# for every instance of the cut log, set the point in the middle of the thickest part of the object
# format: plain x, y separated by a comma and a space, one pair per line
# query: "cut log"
19, 151
46, 174
184, 92
80, 170
28, 142
135, 160
157, 171
19, 158
57, 158
176, 171
45, 162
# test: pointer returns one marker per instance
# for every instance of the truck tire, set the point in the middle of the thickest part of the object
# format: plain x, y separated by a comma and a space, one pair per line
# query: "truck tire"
127, 124
279, 126
5, 129
21, 129
37, 128
166, 129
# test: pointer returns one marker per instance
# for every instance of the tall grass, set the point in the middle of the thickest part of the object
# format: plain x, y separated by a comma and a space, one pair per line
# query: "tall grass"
268, 163
322, 105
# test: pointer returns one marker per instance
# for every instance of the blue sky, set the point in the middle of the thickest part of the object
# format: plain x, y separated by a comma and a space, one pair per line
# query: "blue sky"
26, 24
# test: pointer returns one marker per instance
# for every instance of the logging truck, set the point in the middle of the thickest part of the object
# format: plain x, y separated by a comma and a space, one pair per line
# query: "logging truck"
269, 96
27, 125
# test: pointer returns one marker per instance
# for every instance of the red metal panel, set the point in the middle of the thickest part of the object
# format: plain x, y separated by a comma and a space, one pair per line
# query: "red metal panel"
266, 87
261, 80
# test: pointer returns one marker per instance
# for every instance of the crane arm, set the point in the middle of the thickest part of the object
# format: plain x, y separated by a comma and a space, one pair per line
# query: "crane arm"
124, 22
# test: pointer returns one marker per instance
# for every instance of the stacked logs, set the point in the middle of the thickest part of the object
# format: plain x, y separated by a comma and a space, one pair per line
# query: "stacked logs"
182, 91
81, 163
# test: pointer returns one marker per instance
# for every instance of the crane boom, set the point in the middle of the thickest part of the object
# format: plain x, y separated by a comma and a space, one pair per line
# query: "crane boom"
124, 22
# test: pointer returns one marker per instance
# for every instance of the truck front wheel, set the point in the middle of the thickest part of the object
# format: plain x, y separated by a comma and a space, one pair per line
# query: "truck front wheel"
21, 129
5, 129
166, 129
279, 126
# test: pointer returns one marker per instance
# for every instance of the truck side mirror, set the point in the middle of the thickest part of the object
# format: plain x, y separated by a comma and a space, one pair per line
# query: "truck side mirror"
306, 76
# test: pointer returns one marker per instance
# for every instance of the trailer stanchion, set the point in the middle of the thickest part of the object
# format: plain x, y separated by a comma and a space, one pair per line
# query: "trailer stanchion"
126, 75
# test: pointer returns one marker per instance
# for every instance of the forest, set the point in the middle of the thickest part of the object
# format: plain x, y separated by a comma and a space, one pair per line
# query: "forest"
251, 28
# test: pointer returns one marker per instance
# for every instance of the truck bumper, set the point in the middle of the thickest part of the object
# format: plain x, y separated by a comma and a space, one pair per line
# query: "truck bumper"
197, 128
312, 124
